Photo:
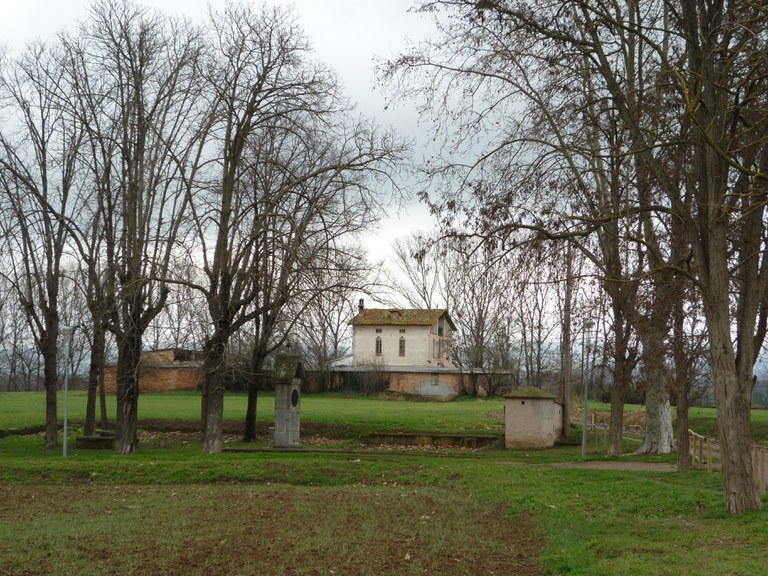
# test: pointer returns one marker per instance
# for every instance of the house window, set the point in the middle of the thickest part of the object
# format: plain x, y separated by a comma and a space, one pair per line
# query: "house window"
402, 346
402, 330
378, 346
378, 330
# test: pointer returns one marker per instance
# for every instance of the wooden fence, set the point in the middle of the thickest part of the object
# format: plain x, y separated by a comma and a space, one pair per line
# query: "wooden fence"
704, 453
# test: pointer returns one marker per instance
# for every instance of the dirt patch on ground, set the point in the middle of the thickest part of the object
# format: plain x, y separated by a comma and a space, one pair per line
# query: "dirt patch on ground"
164, 433
223, 529
237, 428
618, 465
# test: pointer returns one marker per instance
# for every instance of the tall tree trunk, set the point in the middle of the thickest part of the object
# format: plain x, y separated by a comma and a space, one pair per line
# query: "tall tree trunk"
566, 359
50, 351
51, 382
658, 411
624, 361
128, 365
250, 413
214, 383
204, 405
616, 422
258, 381
103, 401
214, 423
729, 227
683, 444
733, 395
682, 363
659, 437
94, 376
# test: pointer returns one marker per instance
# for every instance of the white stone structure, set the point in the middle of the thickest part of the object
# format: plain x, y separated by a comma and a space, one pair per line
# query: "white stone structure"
396, 337
532, 419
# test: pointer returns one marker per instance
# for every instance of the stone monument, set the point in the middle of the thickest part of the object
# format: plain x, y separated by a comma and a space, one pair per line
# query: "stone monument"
287, 377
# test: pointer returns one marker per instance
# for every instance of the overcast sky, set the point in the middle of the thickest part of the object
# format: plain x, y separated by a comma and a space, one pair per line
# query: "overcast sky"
346, 34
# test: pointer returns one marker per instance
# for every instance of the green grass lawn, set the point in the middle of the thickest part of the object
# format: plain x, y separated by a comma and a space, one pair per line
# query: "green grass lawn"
467, 415
595, 522
361, 413
367, 512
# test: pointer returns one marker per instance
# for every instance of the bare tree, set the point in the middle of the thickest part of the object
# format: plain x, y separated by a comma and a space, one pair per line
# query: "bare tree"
19, 373
88, 291
419, 274
38, 150
718, 57
688, 353
477, 288
565, 304
704, 67
183, 321
294, 178
132, 81
321, 330
552, 144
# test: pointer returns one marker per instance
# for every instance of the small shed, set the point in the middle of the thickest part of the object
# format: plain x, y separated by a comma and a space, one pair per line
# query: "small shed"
532, 419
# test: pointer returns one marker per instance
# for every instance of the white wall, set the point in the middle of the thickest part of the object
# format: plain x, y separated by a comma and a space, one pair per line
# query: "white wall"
419, 346
532, 422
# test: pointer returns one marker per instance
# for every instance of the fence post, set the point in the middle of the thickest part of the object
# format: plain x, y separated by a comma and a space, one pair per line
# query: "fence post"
758, 468
755, 471
701, 452
709, 455
693, 449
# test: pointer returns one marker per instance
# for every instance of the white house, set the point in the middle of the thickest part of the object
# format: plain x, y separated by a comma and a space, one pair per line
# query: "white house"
396, 337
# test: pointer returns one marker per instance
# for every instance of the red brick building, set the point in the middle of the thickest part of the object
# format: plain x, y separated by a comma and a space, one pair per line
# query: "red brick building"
165, 370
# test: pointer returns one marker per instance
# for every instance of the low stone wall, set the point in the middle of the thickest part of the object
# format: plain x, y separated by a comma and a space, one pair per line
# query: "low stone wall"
434, 440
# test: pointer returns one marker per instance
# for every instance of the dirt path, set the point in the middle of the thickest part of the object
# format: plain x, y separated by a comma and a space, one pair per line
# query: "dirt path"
618, 465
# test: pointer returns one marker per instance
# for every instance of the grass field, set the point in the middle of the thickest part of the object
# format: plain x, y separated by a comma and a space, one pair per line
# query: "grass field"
366, 414
173, 510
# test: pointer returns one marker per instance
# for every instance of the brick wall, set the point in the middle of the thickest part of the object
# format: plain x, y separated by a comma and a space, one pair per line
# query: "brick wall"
159, 378
435, 384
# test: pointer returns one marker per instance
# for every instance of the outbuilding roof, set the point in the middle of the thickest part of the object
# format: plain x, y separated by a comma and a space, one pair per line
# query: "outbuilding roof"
400, 317
529, 392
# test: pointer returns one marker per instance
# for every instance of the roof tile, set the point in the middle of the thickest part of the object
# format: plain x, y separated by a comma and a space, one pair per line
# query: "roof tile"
399, 317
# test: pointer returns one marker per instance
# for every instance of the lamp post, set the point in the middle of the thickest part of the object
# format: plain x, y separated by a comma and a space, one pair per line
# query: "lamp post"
67, 333
585, 345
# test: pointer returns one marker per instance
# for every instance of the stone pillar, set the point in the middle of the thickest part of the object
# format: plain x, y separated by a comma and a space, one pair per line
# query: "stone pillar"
287, 377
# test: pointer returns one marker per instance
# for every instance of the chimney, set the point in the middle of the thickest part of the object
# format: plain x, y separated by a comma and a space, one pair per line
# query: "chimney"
361, 305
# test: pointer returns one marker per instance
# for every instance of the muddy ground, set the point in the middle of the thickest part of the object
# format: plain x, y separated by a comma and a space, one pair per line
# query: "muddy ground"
189, 530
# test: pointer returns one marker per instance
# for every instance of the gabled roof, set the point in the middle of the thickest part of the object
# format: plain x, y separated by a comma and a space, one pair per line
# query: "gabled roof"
400, 317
